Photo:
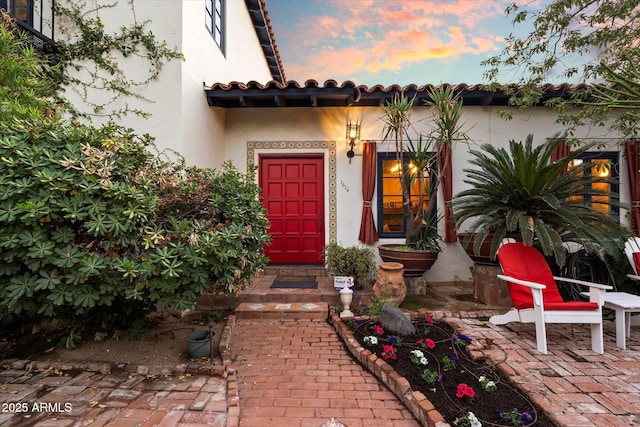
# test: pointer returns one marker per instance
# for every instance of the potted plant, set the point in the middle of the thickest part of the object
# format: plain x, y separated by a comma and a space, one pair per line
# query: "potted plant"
354, 261
428, 157
519, 190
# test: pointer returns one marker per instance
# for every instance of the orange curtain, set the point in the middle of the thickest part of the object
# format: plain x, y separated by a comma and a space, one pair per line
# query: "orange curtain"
368, 232
444, 164
633, 163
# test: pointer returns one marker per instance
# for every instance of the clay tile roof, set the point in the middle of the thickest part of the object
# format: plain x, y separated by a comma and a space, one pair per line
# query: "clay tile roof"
347, 94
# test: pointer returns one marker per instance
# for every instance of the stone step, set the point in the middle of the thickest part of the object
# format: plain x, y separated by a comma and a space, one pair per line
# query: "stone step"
282, 311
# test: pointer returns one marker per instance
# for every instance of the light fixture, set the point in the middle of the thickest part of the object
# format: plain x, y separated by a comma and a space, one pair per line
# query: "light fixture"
353, 135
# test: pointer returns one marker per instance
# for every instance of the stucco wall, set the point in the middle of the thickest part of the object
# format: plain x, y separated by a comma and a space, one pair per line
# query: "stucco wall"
180, 118
203, 133
292, 127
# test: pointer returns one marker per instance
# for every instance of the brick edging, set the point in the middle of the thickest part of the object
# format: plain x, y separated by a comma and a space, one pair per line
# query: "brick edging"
415, 401
105, 368
233, 398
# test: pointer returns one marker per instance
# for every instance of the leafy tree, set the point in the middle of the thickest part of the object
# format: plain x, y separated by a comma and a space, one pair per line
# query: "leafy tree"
571, 40
96, 230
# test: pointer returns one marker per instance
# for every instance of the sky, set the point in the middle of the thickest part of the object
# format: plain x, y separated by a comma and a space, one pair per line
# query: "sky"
389, 41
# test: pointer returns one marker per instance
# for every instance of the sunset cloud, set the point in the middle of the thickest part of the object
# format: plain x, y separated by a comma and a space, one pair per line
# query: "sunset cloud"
341, 39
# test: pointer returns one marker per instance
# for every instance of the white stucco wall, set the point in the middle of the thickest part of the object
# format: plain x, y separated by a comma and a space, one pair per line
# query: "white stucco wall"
203, 128
301, 125
180, 118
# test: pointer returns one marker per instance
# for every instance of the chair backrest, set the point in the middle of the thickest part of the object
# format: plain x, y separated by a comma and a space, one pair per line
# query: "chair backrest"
526, 263
632, 249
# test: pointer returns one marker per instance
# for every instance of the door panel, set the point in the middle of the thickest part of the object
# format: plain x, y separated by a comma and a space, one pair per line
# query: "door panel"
293, 194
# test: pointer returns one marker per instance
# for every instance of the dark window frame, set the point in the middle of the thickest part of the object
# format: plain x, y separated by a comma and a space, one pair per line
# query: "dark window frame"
11, 7
381, 157
215, 22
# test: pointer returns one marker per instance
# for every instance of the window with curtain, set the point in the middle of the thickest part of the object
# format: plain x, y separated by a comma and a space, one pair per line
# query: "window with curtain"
604, 164
390, 221
215, 21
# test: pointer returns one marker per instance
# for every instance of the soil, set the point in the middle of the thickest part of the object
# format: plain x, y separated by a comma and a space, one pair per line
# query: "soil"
163, 343
485, 405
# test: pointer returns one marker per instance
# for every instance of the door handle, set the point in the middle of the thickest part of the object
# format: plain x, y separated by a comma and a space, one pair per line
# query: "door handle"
320, 226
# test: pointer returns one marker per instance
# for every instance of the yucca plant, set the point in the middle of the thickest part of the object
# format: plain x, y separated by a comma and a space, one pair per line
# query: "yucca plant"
520, 190
445, 129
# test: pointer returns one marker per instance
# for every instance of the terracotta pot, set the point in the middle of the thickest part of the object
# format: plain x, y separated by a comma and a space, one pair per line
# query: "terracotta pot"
390, 286
415, 262
485, 249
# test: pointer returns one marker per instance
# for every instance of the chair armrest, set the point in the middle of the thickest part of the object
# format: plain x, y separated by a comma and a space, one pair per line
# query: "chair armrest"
633, 276
536, 293
526, 283
596, 292
584, 283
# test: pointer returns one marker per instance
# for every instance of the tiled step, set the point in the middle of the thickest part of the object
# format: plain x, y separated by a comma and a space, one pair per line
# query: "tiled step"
282, 311
295, 270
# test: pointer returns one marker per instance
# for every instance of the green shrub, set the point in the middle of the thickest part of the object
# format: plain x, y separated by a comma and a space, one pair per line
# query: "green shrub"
94, 231
356, 261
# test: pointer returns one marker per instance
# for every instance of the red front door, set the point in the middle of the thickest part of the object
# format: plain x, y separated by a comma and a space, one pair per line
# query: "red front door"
293, 194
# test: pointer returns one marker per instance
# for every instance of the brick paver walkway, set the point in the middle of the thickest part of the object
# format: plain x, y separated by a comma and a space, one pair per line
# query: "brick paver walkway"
298, 373
47, 398
574, 385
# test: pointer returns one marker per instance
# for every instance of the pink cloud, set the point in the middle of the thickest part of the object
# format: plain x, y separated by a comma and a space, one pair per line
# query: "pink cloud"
389, 35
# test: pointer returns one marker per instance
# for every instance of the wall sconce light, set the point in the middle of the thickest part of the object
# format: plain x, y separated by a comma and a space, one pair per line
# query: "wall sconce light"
353, 135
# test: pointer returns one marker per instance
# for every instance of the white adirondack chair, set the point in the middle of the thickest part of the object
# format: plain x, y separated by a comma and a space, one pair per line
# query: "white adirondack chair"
632, 249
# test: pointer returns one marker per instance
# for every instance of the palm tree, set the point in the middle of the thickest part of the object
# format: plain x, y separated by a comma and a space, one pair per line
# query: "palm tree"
546, 202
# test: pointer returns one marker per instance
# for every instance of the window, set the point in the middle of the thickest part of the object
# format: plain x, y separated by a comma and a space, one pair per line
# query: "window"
22, 10
390, 220
215, 21
604, 164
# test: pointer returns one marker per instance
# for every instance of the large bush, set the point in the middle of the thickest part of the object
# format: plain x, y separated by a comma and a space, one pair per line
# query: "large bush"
93, 230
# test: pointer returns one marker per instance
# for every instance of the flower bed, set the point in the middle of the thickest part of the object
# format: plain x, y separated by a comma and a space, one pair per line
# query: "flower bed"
436, 378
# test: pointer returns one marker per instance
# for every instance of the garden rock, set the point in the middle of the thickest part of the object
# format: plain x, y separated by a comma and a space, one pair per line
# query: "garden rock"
393, 320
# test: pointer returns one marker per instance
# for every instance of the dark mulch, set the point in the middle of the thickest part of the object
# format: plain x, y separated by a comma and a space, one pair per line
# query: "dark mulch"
485, 405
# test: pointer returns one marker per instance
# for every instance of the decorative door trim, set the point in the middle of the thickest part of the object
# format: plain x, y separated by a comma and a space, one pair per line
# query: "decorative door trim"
302, 147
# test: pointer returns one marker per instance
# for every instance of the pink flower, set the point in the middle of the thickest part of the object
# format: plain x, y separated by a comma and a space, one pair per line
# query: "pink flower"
465, 391
378, 330
430, 319
389, 352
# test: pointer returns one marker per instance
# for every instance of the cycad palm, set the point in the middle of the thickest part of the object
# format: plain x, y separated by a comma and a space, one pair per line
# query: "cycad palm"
520, 190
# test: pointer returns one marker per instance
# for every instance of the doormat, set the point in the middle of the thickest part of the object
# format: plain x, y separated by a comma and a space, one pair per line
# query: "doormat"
294, 285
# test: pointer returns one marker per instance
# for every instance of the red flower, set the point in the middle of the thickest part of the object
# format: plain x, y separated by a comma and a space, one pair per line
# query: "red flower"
465, 391
389, 352
429, 343
378, 330
430, 319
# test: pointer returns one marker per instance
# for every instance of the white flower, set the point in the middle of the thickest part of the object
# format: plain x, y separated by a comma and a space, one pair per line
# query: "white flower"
371, 340
474, 420
418, 358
